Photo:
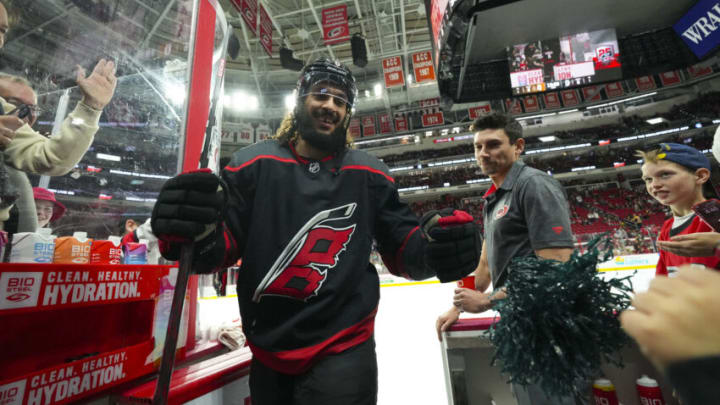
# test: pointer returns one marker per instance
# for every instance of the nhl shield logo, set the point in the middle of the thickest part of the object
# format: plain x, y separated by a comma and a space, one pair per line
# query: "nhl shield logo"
314, 167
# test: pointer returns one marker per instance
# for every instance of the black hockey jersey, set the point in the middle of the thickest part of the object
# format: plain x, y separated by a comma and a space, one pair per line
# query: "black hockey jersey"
306, 288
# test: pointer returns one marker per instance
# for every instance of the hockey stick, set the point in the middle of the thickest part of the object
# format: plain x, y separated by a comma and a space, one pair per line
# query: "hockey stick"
168, 358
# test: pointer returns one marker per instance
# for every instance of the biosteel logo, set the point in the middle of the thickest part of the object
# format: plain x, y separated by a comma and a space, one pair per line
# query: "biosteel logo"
19, 289
17, 297
13, 393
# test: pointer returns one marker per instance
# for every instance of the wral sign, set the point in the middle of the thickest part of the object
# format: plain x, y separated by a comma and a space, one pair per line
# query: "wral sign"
700, 27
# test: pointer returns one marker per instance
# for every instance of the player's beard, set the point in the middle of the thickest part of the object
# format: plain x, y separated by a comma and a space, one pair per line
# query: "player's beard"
333, 142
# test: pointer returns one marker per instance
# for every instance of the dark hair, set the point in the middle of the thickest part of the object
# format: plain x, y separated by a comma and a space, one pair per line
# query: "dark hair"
496, 120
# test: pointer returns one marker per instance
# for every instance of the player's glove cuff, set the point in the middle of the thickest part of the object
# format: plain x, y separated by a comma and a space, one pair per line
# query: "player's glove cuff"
454, 243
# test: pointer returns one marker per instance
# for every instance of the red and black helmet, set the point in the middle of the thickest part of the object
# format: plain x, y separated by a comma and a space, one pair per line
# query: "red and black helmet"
330, 71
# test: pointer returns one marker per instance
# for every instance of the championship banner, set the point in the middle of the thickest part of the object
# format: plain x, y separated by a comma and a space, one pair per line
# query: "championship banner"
266, 29
551, 100
263, 132
645, 83
354, 128
368, 125
614, 90
248, 11
512, 105
699, 71
569, 97
669, 78
423, 67
592, 93
385, 124
401, 123
531, 104
429, 120
33, 287
335, 25
69, 382
477, 111
393, 72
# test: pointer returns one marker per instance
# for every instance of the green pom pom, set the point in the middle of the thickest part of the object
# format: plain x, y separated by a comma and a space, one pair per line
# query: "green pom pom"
559, 321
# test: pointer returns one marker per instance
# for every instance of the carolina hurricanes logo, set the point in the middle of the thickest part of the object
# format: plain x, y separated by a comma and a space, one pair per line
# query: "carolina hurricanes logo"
301, 268
501, 212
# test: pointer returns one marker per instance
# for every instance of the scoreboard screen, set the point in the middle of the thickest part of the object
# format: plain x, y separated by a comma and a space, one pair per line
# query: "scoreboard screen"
567, 61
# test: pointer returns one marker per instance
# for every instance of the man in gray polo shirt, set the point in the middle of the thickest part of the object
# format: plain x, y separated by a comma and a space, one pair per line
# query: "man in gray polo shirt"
526, 213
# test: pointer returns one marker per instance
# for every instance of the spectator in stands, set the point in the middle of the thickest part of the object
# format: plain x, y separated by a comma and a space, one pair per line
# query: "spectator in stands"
28, 151
526, 213
675, 175
47, 207
701, 244
677, 325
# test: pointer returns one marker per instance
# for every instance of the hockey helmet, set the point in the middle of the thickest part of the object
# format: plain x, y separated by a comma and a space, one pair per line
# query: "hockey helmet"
330, 71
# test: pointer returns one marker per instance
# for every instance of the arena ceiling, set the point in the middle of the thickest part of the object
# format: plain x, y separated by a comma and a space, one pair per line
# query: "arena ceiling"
54, 35
500, 23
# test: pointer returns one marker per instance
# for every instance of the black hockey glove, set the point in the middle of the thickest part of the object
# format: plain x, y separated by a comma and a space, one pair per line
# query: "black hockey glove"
455, 243
189, 208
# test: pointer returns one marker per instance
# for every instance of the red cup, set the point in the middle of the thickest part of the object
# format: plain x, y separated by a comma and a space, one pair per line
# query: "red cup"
604, 392
649, 392
467, 282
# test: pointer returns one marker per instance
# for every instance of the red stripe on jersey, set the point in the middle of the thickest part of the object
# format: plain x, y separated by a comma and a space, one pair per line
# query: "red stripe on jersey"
298, 361
256, 158
369, 169
398, 268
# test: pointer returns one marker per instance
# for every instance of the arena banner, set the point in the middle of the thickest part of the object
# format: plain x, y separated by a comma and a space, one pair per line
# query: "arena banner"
354, 128
263, 132
401, 123
266, 30
429, 102
698, 27
530, 103
385, 123
670, 78
592, 93
696, 71
227, 137
614, 90
245, 133
32, 287
551, 100
335, 25
645, 83
513, 106
432, 119
482, 109
368, 125
248, 11
569, 97
423, 67
393, 72
69, 382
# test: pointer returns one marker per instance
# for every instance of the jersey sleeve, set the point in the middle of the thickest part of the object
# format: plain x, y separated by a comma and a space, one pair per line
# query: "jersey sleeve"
547, 213
397, 232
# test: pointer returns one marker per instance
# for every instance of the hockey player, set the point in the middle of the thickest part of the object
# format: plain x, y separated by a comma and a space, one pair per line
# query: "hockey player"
302, 211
